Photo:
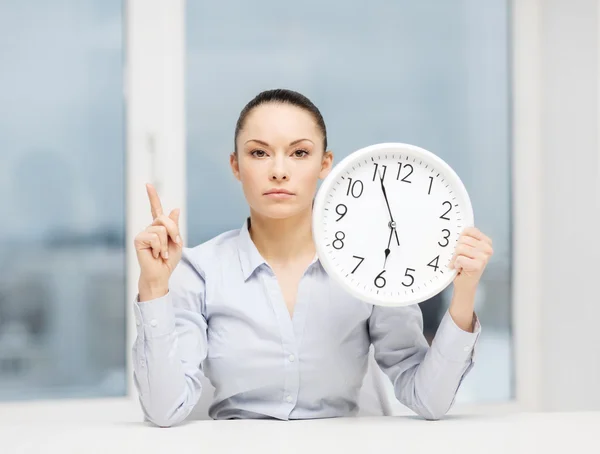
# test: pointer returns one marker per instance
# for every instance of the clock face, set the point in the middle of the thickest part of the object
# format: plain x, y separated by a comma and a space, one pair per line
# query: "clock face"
386, 221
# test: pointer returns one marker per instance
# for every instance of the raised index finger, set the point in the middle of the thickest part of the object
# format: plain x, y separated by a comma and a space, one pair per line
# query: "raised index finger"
155, 204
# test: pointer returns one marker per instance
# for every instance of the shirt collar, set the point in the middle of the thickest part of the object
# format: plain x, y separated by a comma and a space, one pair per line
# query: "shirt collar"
250, 258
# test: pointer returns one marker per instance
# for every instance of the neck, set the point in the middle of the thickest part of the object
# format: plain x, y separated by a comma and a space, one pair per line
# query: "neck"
281, 241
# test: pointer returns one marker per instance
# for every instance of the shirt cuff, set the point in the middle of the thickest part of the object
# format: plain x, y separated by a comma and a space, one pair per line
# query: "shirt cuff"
154, 318
453, 343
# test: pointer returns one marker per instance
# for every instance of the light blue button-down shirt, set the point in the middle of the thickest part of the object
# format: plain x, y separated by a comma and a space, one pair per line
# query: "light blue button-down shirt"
225, 317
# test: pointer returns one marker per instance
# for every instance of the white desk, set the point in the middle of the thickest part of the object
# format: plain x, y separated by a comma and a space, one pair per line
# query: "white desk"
113, 426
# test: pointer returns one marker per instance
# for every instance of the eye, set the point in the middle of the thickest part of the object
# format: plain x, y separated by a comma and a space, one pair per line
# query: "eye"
258, 153
300, 153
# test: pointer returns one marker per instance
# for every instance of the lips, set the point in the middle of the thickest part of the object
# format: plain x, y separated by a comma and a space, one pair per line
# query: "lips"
278, 192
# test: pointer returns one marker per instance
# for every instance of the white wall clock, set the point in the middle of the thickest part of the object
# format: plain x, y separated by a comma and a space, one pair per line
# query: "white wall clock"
386, 221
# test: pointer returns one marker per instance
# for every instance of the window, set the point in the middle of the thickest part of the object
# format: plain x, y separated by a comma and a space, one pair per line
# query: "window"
430, 73
62, 248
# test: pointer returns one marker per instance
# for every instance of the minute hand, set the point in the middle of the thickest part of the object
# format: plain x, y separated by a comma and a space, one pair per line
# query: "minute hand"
386, 200
392, 223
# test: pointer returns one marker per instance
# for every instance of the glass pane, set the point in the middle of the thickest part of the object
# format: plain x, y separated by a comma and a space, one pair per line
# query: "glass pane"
429, 73
62, 251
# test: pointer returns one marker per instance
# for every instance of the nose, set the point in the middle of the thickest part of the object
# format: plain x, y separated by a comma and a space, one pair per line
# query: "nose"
279, 172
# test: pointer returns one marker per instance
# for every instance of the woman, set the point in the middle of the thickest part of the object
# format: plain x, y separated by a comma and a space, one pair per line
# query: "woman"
254, 311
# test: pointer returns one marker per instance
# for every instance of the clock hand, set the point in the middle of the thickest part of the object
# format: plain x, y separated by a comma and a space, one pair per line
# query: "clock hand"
386, 199
387, 251
392, 223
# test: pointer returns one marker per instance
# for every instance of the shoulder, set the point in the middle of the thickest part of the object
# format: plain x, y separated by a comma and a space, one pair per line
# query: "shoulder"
189, 278
221, 250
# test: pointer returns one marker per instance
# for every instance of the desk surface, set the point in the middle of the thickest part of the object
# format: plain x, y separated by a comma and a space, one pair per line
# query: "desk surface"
107, 426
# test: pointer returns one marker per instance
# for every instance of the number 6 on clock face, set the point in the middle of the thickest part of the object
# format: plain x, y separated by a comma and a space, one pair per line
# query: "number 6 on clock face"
386, 221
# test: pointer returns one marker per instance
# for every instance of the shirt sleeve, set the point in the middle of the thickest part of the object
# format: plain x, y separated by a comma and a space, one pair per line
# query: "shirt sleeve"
425, 379
170, 346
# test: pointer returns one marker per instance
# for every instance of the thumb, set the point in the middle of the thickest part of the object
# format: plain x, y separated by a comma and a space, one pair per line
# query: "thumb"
174, 215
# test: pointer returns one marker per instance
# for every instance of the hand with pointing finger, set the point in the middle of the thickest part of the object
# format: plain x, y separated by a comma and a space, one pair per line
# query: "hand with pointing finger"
158, 249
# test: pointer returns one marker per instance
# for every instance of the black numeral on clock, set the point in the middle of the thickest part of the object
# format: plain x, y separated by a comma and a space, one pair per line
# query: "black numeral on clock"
430, 184
381, 177
404, 179
443, 216
434, 263
343, 208
361, 260
338, 243
412, 278
355, 188
446, 238
380, 280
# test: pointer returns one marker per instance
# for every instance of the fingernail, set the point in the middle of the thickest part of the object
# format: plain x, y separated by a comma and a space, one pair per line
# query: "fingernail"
178, 239
165, 255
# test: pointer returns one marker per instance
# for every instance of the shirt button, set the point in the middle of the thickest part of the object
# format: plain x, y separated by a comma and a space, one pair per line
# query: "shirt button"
137, 321
153, 322
291, 358
288, 398
142, 363
467, 348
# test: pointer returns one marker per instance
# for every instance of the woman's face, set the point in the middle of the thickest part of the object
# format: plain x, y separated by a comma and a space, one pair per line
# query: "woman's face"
280, 159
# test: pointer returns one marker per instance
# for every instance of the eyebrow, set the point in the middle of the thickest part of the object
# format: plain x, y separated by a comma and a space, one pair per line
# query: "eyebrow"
267, 145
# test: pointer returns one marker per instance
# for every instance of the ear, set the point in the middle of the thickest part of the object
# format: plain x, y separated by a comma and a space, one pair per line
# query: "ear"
326, 164
235, 165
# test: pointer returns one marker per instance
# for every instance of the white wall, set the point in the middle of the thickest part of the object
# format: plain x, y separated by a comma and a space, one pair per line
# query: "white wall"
571, 303
556, 158
154, 96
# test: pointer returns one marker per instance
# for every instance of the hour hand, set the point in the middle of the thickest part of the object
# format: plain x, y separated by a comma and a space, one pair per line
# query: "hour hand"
387, 250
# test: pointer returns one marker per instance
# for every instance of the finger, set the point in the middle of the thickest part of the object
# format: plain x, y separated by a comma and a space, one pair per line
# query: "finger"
155, 242
477, 234
174, 215
467, 250
149, 240
464, 250
467, 264
155, 204
477, 244
161, 231
170, 225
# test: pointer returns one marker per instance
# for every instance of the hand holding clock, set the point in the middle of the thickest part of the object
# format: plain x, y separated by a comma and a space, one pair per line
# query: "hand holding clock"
471, 256
436, 212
